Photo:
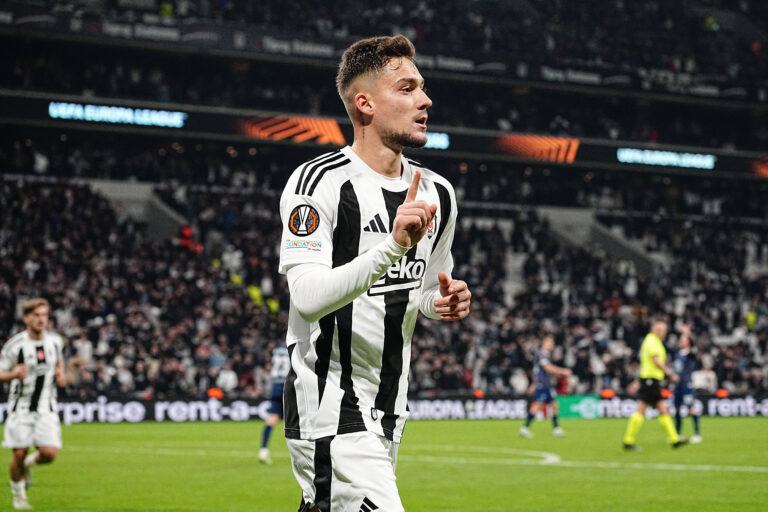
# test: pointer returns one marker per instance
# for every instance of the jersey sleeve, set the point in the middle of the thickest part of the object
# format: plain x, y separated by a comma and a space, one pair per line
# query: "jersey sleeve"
317, 290
8, 357
308, 218
59, 344
657, 349
441, 259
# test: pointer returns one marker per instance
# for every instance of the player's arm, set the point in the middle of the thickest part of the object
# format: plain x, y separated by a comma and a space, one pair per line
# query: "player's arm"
442, 296
317, 289
9, 368
8, 371
59, 375
666, 369
557, 371
19, 372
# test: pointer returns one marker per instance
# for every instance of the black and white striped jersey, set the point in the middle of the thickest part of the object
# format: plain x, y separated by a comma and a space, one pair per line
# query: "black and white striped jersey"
349, 370
37, 392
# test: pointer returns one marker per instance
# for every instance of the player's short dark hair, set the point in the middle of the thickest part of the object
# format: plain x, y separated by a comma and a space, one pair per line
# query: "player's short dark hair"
33, 304
370, 55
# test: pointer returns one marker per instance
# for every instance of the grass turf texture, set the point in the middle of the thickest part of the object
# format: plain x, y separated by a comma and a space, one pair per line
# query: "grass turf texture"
443, 465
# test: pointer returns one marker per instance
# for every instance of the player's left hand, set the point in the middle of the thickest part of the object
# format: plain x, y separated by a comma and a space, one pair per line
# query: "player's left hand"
454, 304
61, 379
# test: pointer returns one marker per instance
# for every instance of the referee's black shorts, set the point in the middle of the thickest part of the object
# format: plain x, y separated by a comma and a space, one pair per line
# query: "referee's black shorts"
650, 391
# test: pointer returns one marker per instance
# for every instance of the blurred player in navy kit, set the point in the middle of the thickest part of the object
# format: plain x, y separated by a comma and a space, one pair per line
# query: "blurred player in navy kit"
544, 394
281, 365
684, 365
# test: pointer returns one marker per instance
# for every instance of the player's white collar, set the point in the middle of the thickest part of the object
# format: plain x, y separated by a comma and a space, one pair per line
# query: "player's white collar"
401, 180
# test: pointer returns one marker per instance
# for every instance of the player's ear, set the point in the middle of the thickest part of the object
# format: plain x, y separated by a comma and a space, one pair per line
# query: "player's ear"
364, 103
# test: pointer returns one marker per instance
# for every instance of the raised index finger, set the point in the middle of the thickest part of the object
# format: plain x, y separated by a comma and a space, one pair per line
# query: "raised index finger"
414, 188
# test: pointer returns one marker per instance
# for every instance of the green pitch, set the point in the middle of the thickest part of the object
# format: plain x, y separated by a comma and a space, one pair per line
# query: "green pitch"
447, 465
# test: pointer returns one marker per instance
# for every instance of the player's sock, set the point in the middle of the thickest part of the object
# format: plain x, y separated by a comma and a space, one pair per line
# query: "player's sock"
678, 421
265, 436
669, 427
19, 489
528, 419
696, 424
554, 421
30, 460
633, 427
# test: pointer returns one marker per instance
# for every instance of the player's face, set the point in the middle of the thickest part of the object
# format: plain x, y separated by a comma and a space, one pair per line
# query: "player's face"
401, 105
37, 320
547, 344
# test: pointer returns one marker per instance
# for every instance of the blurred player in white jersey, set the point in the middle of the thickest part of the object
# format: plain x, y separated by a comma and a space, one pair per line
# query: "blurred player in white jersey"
281, 365
366, 245
32, 361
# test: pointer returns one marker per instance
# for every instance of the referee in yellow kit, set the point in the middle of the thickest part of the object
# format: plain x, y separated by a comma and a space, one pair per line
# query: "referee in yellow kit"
653, 369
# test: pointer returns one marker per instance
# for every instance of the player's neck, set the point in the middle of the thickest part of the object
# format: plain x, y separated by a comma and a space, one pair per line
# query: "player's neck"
378, 156
35, 335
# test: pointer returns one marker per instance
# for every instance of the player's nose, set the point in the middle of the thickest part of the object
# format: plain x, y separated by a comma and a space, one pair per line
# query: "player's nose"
424, 101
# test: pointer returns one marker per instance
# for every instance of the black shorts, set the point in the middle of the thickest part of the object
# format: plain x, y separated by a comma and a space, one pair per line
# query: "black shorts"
650, 391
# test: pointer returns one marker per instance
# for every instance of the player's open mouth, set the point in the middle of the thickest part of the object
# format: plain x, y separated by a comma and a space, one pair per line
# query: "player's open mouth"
422, 121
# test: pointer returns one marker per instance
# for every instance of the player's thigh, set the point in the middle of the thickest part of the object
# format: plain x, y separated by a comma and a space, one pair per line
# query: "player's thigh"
18, 431
542, 395
650, 392
48, 430
302, 454
364, 473
343, 473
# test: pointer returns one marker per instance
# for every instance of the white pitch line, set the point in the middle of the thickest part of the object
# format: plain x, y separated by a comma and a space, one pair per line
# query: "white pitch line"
586, 464
547, 459
183, 452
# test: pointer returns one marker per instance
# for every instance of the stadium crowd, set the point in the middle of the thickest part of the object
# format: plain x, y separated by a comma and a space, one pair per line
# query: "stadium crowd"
160, 318
647, 33
183, 163
93, 71
144, 317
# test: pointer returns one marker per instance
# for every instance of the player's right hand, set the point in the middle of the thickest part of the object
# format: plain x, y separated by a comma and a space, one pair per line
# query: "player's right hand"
413, 217
21, 371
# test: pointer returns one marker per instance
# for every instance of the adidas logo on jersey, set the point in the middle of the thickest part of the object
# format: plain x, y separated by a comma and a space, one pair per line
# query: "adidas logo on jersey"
368, 505
404, 274
376, 225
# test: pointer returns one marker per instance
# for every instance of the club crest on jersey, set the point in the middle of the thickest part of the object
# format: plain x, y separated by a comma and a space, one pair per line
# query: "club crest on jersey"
431, 229
303, 220
404, 274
